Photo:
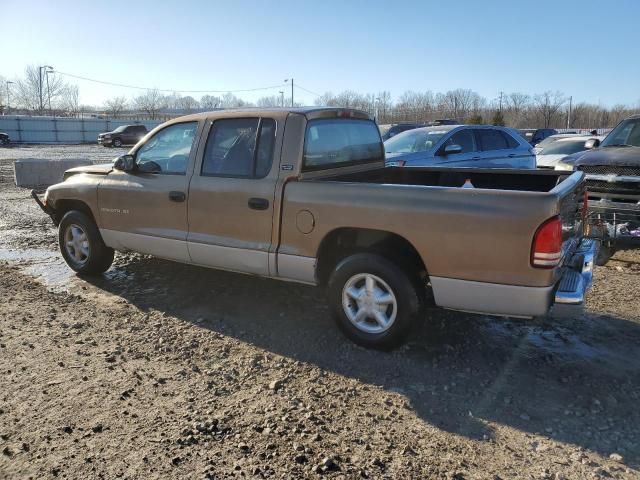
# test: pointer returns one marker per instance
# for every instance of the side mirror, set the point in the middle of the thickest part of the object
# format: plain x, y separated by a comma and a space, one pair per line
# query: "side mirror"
592, 143
124, 163
452, 149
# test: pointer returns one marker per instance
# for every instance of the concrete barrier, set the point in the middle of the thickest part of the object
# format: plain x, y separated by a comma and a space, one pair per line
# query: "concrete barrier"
35, 172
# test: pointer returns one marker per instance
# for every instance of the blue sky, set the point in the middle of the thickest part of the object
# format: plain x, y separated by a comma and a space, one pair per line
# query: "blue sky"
586, 49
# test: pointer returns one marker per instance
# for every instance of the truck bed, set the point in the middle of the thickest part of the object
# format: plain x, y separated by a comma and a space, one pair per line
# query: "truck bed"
493, 179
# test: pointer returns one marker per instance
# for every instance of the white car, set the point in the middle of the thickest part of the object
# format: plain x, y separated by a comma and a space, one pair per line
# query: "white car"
551, 154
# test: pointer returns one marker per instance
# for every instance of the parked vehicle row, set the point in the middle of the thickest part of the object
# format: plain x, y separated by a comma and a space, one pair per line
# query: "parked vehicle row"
303, 195
4, 139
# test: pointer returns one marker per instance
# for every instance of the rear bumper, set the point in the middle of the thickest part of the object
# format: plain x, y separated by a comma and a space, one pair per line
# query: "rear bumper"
521, 301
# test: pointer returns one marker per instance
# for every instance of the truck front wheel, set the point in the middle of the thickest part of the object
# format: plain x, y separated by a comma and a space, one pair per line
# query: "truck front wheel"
375, 302
82, 246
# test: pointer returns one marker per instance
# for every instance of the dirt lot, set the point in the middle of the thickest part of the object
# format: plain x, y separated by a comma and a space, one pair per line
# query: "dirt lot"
158, 370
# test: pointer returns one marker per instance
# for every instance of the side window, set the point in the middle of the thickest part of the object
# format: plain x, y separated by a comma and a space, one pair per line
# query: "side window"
264, 153
464, 138
491, 139
232, 151
168, 150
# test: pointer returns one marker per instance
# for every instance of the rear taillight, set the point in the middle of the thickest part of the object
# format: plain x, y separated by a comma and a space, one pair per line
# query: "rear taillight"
546, 251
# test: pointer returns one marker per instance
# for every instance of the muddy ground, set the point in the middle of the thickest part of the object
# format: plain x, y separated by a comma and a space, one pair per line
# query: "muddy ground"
159, 370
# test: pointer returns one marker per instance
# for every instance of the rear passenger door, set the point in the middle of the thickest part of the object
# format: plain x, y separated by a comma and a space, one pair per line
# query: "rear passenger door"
499, 150
231, 196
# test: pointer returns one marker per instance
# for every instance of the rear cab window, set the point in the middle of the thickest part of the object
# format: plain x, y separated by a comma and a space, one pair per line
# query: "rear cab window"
336, 142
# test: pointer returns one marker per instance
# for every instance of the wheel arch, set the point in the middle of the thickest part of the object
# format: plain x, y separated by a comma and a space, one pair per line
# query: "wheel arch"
344, 241
65, 205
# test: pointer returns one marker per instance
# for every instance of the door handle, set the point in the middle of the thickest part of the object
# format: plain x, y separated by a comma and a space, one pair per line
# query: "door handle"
476, 158
258, 203
177, 196
511, 155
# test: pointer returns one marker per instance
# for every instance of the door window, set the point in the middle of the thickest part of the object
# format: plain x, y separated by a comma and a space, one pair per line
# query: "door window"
168, 150
231, 149
464, 138
490, 139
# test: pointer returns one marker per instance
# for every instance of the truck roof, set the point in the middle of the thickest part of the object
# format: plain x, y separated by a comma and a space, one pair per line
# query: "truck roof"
309, 112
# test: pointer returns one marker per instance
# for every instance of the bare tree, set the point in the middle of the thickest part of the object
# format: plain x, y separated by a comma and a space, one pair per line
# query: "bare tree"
229, 100
210, 102
548, 106
187, 104
32, 92
69, 100
151, 103
268, 102
115, 106
384, 105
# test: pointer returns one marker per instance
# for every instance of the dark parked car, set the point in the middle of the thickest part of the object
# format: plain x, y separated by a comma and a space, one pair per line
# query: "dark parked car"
388, 131
443, 121
4, 139
612, 169
123, 135
536, 135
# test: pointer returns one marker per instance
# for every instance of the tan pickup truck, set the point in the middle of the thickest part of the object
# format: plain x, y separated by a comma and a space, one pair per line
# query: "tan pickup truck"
303, 195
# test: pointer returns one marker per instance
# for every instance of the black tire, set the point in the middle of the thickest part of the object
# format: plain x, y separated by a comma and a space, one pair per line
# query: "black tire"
117, 142
98, 256
406, 287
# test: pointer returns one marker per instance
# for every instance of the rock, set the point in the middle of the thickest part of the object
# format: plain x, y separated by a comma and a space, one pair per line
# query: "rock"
176, 460
97, 428
7, 451
244, 447
301, 459
67, 429
616, 457
275, 385
328, 464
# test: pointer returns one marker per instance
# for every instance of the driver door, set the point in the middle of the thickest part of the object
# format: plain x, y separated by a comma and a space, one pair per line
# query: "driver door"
145, 209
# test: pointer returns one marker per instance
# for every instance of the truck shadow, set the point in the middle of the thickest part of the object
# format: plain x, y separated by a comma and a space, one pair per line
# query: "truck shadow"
571, 380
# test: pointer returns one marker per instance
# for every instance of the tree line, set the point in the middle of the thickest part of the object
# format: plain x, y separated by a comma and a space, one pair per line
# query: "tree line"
516, 109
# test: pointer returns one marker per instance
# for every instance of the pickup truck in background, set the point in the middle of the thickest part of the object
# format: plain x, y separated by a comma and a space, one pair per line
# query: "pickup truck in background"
612, 169
303, 195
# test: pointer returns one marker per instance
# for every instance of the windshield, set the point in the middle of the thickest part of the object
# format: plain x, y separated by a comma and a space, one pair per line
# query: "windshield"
414, 140
120, 129
339, 142
564, 147
626, 133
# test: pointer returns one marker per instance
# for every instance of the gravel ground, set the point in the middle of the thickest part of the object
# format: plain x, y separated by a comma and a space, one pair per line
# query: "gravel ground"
159, 370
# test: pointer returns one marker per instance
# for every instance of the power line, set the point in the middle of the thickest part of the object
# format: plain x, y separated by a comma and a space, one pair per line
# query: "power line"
79, 77
308, 91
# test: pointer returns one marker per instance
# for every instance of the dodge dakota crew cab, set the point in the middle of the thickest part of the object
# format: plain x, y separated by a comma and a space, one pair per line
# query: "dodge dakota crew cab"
303, 195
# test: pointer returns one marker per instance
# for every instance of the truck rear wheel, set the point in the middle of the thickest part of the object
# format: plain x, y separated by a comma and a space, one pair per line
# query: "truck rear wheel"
375, 302
82, 246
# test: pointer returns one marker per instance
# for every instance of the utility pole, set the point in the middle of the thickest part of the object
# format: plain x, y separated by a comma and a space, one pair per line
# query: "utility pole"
501, 93
569, 114
40, 93
46, 74
285, 81
281, 92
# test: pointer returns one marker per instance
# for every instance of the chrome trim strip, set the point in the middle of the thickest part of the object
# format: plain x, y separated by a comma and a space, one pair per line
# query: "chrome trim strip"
613, 178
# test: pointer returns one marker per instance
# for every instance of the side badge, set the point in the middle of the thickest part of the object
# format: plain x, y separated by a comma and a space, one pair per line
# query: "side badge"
286, 166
